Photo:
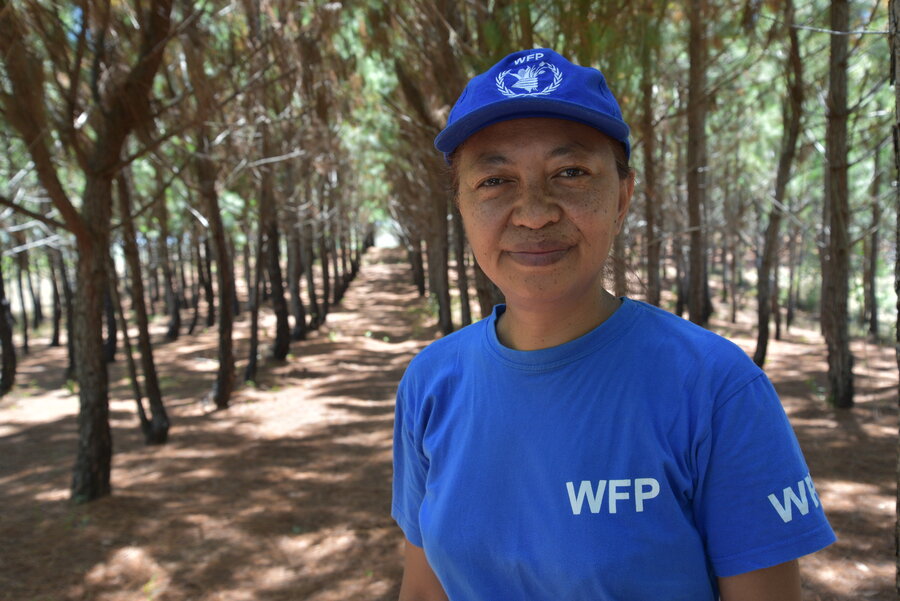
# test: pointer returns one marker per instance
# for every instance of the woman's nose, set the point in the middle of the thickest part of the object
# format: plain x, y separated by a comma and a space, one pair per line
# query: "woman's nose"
535, 207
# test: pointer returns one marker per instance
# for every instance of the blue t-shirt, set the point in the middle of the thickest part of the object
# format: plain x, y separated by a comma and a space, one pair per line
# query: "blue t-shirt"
640, 461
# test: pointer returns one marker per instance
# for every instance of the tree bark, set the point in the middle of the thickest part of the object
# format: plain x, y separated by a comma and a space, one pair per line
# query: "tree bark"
206, 176
437, 251
651, 192
793, 109
281, 345
417, 266
870, 254
112, 329
256, 279
462, 278
836, 220
894, 39
7, 348
696, 159
21, 288
63, 271
158, 430
172, 300
55, 299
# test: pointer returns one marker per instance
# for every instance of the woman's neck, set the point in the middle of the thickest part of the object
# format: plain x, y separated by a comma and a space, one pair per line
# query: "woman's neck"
529, 328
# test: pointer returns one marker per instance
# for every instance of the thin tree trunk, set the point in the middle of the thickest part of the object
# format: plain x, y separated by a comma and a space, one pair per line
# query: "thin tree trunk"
256, 279
112, 330
146, 427
871, 243
294, 264
158, 431
696, 158
307, 248
462, 278
836, 221
651, 192
67, 299
7, 348
268, 216
56, 299
37, 310
172, 300
206, 267
792, 277
206, 176
437, 251
417, 265
894, 10
793, 109
620, 285
24, 314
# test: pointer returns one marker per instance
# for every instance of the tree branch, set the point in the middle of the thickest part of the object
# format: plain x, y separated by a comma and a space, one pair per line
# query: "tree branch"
37, 216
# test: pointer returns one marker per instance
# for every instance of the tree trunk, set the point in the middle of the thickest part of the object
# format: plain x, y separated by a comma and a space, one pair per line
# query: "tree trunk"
268, 216
894, 39
792, 277
437, 251
7, 348
172, 300
112, 329
206, 176
836, 221
24, 314
255, 293
651, 193
793, 109
90, 477
462, 278
696, 158
146, 426
308, 257
620, 284
37, 310
67, 299
56, 299
417, 265
870, 244
158, 430
294, 264
206, 267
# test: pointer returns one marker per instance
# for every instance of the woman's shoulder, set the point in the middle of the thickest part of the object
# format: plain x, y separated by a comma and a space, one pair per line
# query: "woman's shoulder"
692, 348
444, 353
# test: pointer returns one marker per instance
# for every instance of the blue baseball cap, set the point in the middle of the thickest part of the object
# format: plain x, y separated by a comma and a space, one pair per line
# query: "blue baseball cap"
534, 83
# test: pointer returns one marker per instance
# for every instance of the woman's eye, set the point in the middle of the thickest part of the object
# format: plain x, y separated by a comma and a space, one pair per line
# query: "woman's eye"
572, 172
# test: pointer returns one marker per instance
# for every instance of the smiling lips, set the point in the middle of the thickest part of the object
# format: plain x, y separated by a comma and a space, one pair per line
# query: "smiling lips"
539, 255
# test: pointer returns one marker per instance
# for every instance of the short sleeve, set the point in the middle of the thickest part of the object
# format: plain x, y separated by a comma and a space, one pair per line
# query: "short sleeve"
755, 504
410, 470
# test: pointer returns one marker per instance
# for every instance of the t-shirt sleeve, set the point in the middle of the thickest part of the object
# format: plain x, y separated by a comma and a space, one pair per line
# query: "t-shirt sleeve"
410, 470
756, 504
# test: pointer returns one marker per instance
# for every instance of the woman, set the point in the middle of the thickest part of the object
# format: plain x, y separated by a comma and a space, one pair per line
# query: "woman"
575, 445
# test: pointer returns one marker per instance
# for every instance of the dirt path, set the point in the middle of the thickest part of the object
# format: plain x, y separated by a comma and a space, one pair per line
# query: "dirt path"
286, 495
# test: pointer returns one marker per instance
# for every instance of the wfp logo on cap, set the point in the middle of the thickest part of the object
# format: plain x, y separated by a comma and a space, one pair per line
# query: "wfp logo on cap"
534, 80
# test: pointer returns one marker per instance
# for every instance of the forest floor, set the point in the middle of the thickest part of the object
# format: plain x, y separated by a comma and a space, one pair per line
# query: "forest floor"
286, 495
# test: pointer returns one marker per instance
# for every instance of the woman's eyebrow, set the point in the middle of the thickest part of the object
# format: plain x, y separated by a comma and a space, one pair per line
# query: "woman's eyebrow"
568, 149
490, 159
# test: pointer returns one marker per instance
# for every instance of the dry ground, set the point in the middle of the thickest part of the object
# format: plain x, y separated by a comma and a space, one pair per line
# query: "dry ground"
286, 495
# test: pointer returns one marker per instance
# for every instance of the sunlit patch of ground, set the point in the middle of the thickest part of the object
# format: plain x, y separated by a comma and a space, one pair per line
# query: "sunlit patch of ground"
285, 496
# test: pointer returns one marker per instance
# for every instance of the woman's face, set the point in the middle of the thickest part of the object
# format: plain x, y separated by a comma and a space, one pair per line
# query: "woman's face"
542, 202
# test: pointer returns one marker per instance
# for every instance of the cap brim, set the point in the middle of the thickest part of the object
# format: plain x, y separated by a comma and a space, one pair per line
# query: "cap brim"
528, 106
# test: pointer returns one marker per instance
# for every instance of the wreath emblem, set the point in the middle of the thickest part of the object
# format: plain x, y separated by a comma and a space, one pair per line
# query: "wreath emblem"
527, 79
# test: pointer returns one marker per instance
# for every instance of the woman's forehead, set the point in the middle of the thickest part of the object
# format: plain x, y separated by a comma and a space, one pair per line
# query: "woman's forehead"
546, 137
